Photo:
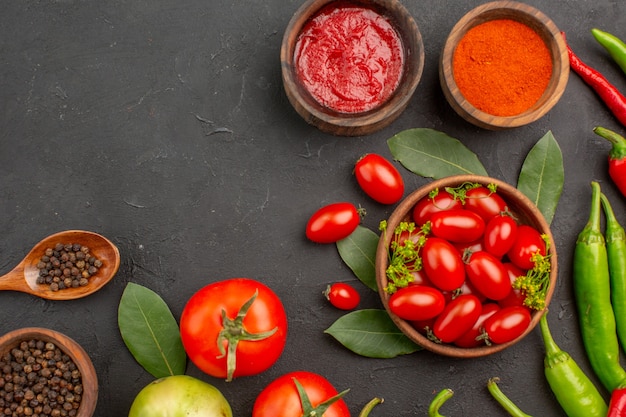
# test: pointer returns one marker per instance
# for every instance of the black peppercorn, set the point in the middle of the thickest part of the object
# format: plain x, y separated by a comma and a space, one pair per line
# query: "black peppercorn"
68, 265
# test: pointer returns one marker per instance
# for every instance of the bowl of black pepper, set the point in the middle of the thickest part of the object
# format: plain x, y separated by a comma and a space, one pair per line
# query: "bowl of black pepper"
45, 373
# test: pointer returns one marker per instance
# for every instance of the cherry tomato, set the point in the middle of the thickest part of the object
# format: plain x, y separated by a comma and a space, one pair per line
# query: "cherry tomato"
466, 288
209, 346
500, 234
420, 278
332, 223
471, 338
379, 179
527, 243
429, 205
457, 225
443, 264
487, 274
485, 203
516, 297
342, 296
464, 247
281, 399
417, 302
507, 324
457, 318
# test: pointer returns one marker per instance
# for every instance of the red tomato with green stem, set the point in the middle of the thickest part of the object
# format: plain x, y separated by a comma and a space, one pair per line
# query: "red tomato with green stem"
488, 275
457, 225
283, 398
236, 327
425, 208
457, 318
484, 202
528, 243
471, 338
342, 296
516, 297
417, 302
443, 264
379, 179
333, 222
506, 324
500, 234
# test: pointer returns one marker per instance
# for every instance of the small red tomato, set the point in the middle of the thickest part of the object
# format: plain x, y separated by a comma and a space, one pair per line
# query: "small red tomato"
457, 225
379, 179
464, 247
332, 223
342, 296
420, 278
429, 205
443, 264
507, 324
516, 297
484, 202
528, 243
417, 302
457, 318
466, 288
500, 234
487, 274
472, 338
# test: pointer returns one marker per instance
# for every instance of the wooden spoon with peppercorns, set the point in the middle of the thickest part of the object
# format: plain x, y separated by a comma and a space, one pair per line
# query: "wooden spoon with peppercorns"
25, 277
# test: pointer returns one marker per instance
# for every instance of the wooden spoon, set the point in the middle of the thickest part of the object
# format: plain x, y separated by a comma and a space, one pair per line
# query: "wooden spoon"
23, 277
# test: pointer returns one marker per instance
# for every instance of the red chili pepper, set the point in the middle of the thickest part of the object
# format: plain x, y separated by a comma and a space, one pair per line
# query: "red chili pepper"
617, 157
617, 406
611, 96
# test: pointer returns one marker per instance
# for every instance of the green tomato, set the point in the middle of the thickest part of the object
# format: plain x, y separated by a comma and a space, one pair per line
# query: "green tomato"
180, 396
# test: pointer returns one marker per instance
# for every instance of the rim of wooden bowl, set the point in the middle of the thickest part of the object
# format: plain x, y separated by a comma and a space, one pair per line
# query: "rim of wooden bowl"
519, 205
354, 124
536, 20
78, 355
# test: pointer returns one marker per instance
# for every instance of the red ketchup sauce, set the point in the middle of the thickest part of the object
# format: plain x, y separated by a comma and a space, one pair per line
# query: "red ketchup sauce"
349, 58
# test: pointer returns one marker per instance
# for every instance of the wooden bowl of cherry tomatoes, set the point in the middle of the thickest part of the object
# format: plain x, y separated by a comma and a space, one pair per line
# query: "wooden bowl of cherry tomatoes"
466, 266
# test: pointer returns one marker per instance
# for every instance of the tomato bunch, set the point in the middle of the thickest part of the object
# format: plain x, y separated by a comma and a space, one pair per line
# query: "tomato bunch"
472, 252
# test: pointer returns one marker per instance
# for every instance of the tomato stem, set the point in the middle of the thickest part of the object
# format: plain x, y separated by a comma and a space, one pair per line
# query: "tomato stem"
319, 410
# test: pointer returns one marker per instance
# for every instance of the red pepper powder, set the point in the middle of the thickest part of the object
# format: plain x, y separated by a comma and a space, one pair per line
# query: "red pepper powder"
502, 67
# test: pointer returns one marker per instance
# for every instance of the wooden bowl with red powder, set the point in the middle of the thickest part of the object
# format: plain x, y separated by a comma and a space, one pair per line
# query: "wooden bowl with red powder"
504, 65
350, 67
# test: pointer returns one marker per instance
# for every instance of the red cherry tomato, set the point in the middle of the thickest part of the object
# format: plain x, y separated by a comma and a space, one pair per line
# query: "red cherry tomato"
485, 203
507, 324
527, 243
202, 328
342, 296
420, 278
457, 318
379, 179
466, 288
472, 338
443, 264
332, 223
500, 234
429, 205
487, 274
457, 225
516, 297
464, 247
281, 399
417, 302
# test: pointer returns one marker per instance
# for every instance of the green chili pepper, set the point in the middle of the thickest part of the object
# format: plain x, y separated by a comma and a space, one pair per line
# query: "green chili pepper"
614, 46
615, 237
437, 402
593, 299
503, 400
571, 387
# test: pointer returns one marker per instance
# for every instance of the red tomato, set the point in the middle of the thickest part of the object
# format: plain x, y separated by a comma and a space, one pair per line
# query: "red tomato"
379, 179
466, 288
443, 264
332, 223
487, 274
457, 225
500, 234
457, 318
485, 203
427, 206
528, 243
420, 278
507, 324
464, 247
417, 302
342, 296
201, 327
472, 338
281, 399
516, 297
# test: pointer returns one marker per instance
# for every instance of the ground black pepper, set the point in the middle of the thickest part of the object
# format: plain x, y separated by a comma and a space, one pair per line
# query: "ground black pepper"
37, 380
67, 266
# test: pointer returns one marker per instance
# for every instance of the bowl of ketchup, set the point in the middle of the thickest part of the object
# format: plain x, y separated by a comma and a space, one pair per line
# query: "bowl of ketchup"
350, 67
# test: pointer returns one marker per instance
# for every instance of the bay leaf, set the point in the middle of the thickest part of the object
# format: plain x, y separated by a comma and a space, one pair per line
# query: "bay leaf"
433, 154
358, 251
150, 332
371, 333
542, 175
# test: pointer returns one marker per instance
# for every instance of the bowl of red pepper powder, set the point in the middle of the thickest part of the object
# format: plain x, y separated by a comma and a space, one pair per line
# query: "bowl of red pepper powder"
350, 67
504, 65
